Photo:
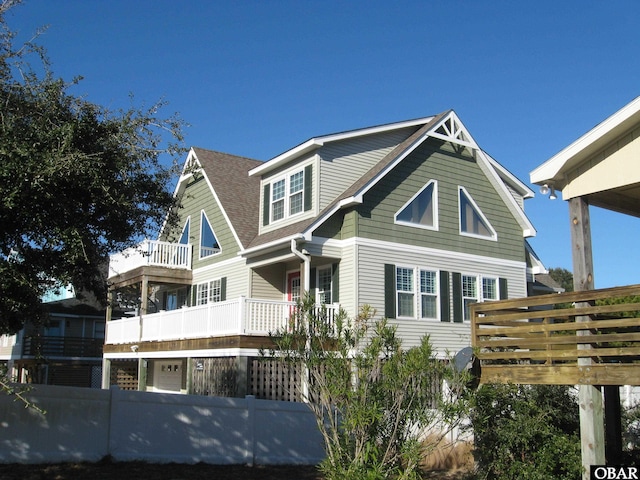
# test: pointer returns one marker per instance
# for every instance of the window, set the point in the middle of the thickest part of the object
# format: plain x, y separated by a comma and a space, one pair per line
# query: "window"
287, 196
404, 287
209, 292
208, 242
296, 187
421, 210
472, 221
324, 285
428, 294
406, 281
470, 291
184, 237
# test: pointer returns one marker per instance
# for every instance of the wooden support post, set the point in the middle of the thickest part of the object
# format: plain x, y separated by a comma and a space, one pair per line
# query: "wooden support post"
589, 397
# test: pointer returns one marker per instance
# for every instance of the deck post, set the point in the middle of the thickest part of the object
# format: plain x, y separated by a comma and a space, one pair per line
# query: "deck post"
590, 397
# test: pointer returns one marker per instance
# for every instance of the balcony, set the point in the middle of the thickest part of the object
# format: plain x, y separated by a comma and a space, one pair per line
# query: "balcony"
589, 338
74, 347
241, 316
158, 261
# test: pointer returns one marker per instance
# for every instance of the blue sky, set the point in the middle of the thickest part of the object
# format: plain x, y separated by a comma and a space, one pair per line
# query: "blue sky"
255, 78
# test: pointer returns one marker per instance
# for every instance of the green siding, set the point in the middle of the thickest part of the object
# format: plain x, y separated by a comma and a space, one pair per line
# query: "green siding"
432, 161
197, 197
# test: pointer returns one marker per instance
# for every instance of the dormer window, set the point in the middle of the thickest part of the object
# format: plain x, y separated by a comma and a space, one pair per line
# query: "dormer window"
288, 195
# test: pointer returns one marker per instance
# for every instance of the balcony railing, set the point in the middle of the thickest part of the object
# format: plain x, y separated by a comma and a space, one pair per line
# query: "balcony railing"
242, 316
590, 337
47, 346
151, 253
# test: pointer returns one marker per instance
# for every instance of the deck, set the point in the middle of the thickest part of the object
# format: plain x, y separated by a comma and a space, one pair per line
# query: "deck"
588, 338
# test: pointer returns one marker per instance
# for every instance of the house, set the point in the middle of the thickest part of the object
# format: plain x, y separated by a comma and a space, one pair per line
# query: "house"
66, 350
412, 218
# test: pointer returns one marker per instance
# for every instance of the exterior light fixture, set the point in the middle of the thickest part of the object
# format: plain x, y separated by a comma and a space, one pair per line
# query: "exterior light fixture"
544, 189
552, 195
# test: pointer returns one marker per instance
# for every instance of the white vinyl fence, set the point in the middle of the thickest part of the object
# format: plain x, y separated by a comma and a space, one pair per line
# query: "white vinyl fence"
83, 424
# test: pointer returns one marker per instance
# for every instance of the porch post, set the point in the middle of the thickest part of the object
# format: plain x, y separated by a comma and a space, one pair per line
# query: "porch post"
590, 398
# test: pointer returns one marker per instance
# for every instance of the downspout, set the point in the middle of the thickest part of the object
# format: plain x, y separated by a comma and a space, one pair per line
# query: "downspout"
306, 258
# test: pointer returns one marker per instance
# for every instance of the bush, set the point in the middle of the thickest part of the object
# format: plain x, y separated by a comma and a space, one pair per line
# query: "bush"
374, 401
527, 431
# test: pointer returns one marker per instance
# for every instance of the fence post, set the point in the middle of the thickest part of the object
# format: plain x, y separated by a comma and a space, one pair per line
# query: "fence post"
250, 441
242, 310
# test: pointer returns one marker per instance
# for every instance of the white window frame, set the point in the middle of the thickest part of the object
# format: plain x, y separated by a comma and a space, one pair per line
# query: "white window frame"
417, 293
287, 197
492, 236
206, 252
209, 292
479, 282
321, 292
434, 200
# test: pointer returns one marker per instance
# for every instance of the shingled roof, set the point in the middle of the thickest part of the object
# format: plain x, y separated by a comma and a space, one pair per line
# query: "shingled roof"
377, 170
238, 194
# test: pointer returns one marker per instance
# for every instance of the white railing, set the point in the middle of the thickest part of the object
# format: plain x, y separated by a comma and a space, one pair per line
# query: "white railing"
151, 252
242, 316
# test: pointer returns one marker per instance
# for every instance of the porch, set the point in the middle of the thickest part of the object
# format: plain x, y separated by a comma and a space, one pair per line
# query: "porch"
242, 316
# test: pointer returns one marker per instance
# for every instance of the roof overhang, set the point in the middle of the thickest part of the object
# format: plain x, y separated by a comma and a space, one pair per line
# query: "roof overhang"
314, 143
602, 165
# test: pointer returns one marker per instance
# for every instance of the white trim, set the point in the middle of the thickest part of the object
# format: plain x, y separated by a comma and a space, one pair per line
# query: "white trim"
434, 207
594, 139
405, 248
494, 235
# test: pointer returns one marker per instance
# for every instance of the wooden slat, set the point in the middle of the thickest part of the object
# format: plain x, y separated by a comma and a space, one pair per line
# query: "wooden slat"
599, 374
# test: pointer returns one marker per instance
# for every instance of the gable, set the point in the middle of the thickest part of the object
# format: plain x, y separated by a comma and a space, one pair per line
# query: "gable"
438, 161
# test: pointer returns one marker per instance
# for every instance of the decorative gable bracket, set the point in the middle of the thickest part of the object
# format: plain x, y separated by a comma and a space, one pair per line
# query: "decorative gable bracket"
451, 129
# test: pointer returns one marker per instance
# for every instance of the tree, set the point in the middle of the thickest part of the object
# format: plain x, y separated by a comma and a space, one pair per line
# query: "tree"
374, 401
77, 180
564, 278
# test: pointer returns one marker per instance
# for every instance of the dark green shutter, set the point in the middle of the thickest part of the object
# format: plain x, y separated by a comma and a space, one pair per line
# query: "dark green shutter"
313, 279
504, 289
445, 297
458, 313
308, 184
266, 203
223, 289
389, 290
335, 283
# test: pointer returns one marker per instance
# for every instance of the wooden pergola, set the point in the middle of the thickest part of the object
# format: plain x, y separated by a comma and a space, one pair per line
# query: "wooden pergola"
578, 338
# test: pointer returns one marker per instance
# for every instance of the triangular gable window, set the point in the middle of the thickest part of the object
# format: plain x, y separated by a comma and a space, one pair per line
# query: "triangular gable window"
208, 241
184, 237
422, 209
472, 220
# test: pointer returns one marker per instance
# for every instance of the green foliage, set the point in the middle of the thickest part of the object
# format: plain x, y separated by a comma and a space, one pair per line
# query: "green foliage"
526, 431
77, 180
372, 399
563, 277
